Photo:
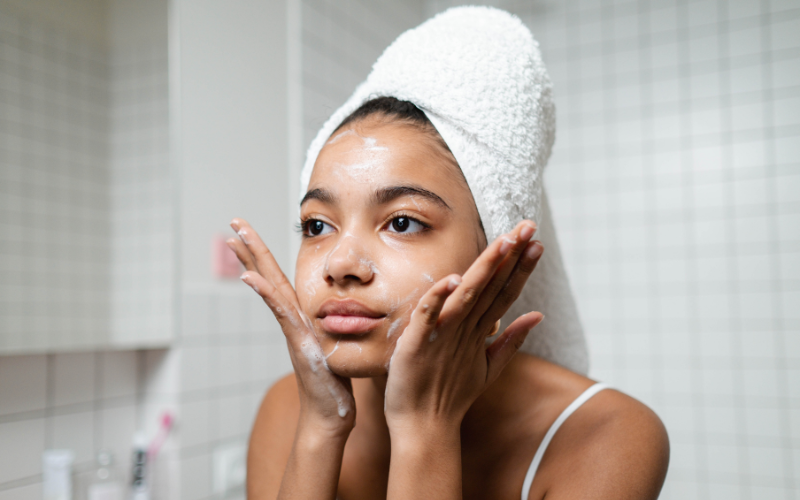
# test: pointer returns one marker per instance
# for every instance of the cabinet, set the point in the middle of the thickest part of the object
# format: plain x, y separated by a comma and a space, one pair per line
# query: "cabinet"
86, 242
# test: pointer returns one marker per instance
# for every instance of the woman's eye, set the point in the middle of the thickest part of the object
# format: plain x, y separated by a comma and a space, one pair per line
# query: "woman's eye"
317, 227
405, 225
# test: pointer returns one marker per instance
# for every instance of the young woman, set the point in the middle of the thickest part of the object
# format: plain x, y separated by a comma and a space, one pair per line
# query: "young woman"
395, 391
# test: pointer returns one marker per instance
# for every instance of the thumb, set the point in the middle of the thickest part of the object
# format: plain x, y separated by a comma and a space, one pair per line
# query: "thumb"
503, 349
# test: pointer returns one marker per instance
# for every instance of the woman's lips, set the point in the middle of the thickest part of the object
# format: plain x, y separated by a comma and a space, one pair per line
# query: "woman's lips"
349, 324
348, 317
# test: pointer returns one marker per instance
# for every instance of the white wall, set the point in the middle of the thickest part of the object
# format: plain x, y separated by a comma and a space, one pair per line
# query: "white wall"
54, 200
79, 105
228, 115
341, 41
141, 186
86, 240
233, 162
675, 185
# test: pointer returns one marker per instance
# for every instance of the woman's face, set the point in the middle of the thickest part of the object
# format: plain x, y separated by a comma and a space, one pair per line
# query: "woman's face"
387, 214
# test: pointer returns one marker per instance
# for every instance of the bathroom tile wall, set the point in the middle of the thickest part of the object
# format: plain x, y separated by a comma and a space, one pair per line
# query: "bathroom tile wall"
675, 184
231, 131
84, 401
141, 195
82, 145
54, 233
341, 40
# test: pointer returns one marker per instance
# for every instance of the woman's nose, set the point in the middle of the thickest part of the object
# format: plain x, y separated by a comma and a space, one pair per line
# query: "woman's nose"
348, 261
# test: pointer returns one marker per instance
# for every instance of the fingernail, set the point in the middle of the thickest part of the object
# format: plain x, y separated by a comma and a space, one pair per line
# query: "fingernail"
526, 233
505, 247
235, 224
244, 277
535, 251
453, 284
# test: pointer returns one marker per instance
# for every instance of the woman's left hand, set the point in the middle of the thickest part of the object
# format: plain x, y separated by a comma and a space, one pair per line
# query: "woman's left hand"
441, 363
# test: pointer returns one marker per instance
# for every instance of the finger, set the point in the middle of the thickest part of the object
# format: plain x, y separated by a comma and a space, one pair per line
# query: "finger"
242, 253
265, 261
426, 316
521, 235
516, 282
478, 276
287, 315
503, 349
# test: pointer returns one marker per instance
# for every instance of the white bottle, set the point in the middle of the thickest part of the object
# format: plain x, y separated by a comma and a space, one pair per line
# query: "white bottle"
57, 474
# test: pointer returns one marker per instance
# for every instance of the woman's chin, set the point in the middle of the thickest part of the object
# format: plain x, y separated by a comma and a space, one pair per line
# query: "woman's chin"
355, 363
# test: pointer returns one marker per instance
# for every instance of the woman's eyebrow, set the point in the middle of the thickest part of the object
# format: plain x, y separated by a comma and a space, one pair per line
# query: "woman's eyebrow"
320, 194
387, 194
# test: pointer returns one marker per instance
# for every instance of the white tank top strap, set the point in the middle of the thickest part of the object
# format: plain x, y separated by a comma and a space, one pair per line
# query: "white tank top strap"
537, 458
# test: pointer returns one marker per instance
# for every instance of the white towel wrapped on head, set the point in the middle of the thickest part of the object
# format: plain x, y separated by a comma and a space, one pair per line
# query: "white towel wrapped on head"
478, 75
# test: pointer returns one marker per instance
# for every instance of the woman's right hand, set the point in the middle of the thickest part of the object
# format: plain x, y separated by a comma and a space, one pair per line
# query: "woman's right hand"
326, 399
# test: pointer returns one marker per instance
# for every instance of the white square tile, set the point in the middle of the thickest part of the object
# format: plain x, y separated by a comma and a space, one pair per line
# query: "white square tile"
784, 34
23, 382
761, 382
23, 493
75, 432
789, 227
277, 363
757, 343
74, 378
767, 462
723, 491
229, 359
683, 457
756, 269
756, 306
162, 371
763, 422
785, 73
230, 418
194, 369
753, 230
787, 151
21, 447
776, 491
743, 42
738, 9
679, 488
118, 374
231, 314
790, 309
723, 459
749, 154
788, 188
721, 419
117, 428
195, 473
194, 425
679, 381
746, 79
718, 382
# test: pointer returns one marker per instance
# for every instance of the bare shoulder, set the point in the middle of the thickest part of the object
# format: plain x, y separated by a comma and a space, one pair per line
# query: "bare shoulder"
613, 446
271, 438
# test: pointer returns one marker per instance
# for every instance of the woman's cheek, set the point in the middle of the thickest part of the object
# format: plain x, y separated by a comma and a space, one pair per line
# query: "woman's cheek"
309, 280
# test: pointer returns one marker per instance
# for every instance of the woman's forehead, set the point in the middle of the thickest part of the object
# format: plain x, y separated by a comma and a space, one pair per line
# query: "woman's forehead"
367, 157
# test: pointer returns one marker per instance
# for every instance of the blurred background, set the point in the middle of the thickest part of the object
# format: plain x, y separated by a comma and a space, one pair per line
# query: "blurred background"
131, 132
